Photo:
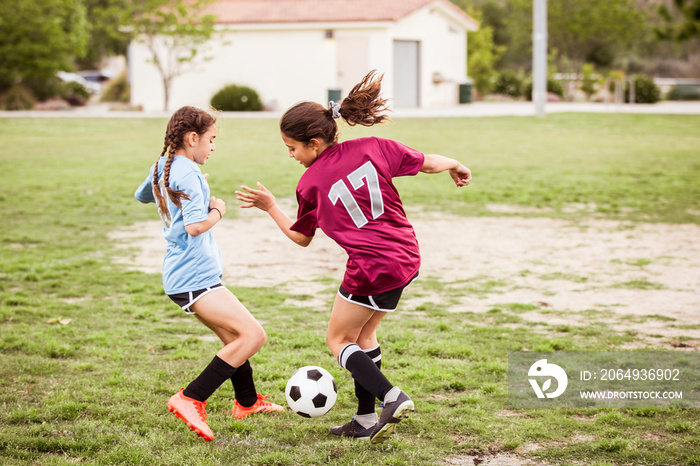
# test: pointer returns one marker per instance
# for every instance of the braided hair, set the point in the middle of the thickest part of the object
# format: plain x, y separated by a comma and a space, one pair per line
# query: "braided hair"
183, 122
363, 106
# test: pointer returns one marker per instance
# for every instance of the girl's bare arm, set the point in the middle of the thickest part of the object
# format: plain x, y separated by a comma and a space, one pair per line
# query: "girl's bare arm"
434, 163
263, 199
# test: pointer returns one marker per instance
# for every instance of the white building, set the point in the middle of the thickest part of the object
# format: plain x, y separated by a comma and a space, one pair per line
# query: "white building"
294, 50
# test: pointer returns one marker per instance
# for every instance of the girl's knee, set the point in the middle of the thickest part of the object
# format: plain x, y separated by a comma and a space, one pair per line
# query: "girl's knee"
257, 337
262, 337
331, 341
335, 344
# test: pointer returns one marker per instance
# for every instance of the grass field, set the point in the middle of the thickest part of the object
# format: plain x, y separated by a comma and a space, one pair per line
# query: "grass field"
91, 351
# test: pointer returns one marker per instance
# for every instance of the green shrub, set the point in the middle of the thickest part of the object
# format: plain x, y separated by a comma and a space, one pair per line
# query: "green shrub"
645, 91
684, 92
74, 93
588, 81
18, 97
118, 90
42, 87
553, 87
234, 98
508, 83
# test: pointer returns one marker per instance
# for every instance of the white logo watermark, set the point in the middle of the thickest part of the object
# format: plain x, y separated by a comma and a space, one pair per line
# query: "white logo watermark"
542, 368
610, 379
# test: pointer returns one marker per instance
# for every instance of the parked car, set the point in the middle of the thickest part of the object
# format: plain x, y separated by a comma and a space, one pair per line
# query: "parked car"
91, 86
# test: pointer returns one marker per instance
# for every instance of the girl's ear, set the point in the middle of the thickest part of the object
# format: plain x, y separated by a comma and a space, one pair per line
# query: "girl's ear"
314, 143
191, 138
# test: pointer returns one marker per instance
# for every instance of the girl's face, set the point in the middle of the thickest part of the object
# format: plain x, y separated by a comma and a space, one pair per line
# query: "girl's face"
304, 153
201, 146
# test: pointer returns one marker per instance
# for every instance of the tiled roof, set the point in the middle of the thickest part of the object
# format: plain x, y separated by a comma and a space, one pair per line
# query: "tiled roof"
301, 11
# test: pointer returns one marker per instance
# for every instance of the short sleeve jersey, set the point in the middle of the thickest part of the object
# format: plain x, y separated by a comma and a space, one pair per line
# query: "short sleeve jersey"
349, 194
191, 262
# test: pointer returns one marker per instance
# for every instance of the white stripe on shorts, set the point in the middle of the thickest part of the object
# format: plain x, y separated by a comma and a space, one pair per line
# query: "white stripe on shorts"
187, 306
375, 307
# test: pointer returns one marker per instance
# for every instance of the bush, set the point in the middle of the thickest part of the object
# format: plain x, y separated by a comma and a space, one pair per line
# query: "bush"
18, 97
74, 93
553, 86
684, 92
118, 90
508, 83
645, 91
588, 81
234, 98
42, 87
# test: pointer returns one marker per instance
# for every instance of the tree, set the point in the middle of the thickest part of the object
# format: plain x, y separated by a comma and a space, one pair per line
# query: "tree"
108, 36
173, 31
40, 37
492, 15
686, 24
591, 31
482, 55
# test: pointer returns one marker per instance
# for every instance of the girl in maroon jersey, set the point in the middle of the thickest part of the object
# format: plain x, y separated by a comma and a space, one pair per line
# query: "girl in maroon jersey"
347, 191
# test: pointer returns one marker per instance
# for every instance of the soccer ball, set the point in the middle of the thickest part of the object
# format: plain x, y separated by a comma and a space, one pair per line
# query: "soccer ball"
311, 391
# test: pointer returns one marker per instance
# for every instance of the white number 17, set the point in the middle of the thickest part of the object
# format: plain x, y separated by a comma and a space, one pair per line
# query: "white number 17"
339, 190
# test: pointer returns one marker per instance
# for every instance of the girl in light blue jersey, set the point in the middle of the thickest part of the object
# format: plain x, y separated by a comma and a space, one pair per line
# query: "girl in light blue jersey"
192, 269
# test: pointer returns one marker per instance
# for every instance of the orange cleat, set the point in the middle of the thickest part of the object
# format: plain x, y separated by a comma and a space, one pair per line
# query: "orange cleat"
260, 406
192, 412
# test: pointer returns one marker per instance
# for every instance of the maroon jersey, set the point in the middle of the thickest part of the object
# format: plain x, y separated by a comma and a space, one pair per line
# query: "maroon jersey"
348, 193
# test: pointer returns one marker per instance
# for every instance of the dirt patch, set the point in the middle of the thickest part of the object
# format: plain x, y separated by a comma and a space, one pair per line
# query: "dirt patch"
639, 277
499, 459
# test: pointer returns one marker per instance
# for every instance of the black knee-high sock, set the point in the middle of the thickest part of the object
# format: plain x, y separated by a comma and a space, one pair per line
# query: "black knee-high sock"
365, 400
209, 380
244, 386
364, 370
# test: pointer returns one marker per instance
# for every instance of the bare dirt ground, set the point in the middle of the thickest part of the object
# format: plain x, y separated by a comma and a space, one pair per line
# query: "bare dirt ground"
639, 277
642, 278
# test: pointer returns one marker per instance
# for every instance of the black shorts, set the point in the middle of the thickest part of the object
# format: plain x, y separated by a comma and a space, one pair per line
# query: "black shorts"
385, 302
187, 299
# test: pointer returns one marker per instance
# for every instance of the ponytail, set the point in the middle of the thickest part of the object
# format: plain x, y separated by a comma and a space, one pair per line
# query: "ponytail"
363, 106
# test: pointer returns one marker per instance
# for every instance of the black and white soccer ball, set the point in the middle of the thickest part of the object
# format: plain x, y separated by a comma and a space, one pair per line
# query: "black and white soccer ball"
311, 391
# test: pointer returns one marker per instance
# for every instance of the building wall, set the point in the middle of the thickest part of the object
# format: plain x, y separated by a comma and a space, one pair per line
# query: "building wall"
300, 62
282, 66
442, 53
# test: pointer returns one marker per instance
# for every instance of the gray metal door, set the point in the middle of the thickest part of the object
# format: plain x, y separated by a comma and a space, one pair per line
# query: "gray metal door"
406, 73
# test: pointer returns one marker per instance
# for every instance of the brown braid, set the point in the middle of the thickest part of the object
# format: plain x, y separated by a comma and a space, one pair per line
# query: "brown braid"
183, 121
363, 106
160, 201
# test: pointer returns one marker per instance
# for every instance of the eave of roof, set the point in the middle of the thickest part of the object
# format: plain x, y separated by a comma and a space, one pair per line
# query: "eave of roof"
319, 11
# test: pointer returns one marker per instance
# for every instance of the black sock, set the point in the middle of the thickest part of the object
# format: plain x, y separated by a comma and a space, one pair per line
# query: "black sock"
365, 400
364, 371
209, 380
244, 386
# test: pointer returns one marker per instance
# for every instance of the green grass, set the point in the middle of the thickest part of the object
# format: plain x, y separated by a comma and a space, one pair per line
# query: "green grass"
91, 351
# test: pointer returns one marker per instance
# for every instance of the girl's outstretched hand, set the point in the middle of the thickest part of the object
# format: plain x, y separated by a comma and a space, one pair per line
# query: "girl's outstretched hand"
261, 198
461, 175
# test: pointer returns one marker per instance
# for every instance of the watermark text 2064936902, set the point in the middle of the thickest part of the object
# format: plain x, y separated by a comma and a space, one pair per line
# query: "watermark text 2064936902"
599, 379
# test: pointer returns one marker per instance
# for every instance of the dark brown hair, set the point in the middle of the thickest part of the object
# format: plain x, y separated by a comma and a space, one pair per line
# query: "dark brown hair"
183, 121
363, 106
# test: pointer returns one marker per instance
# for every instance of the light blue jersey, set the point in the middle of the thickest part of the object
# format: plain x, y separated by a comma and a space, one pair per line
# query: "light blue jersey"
191, 262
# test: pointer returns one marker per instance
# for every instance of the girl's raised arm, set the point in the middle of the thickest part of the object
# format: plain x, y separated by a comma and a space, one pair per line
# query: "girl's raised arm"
434, 163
